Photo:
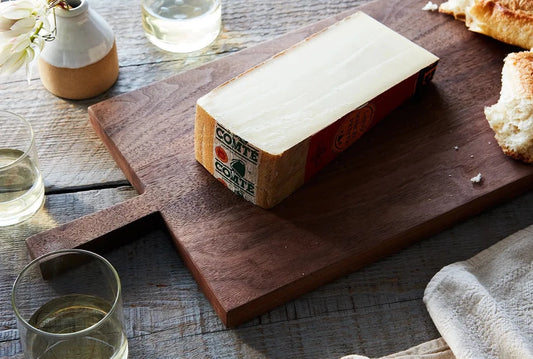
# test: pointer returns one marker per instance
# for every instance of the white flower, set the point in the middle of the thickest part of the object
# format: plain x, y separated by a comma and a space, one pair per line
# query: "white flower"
18, 52
23, 26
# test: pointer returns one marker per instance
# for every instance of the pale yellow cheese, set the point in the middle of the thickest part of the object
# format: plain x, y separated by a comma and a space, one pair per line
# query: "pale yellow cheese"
279, 105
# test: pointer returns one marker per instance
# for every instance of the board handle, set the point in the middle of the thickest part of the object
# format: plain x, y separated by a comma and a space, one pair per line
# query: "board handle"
98, 230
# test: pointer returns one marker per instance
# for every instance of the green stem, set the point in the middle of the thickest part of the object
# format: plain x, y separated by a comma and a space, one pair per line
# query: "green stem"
36, 32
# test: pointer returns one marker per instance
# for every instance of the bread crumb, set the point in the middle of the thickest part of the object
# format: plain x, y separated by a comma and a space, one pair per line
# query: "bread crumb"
456, 148
476, 179
430, 7
471, 156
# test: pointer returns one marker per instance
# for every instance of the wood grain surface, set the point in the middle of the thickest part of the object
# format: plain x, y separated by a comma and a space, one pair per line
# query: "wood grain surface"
402, 182
374, 311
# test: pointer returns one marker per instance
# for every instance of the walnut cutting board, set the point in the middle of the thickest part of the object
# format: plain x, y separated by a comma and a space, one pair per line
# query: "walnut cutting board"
406, 179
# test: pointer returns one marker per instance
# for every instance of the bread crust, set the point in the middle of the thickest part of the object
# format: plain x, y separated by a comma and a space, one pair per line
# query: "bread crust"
519, 75
456, 8
509, 21
526, 157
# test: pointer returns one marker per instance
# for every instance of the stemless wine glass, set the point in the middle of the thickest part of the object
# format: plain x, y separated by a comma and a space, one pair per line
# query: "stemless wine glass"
68, 304
181, 26
21, 184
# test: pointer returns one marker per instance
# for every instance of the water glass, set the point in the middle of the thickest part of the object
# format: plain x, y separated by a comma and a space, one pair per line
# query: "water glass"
21, 183
181, 25
68, 304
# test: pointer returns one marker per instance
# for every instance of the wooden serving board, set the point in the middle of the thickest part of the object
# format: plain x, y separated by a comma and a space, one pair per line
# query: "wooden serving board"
406, 179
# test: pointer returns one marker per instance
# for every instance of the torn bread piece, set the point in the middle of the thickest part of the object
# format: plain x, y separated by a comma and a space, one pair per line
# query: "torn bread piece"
456, 8
511, 117
509, 21
269, 130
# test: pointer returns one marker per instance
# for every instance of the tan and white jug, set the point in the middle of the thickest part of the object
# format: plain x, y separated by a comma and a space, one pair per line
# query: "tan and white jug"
81, 62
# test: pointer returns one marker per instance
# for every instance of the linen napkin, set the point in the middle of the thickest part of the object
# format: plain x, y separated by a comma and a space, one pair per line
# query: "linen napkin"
482, 307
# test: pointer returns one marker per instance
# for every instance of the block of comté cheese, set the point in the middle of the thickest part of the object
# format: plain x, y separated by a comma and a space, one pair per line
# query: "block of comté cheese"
267, 131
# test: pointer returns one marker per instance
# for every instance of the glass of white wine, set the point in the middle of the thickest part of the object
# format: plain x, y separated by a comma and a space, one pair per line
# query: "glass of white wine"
21, 183
181, 25
68, 304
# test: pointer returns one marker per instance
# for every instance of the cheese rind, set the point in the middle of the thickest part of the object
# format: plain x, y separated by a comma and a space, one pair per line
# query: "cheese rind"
314, 98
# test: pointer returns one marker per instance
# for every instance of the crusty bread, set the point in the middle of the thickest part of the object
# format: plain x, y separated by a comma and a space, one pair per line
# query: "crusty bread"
511, 117
457, 8
509, 21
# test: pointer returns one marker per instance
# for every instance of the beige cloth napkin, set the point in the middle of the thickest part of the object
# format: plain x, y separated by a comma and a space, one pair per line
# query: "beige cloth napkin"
482, 307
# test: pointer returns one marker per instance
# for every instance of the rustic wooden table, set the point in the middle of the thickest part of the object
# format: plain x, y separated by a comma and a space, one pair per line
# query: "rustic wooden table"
374, 311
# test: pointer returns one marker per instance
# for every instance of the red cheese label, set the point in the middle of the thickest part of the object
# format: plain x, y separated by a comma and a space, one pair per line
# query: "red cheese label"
353, 126
332, 140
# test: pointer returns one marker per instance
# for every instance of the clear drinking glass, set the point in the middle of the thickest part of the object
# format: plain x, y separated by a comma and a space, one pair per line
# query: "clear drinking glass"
21, 183
181, 25
68, 304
